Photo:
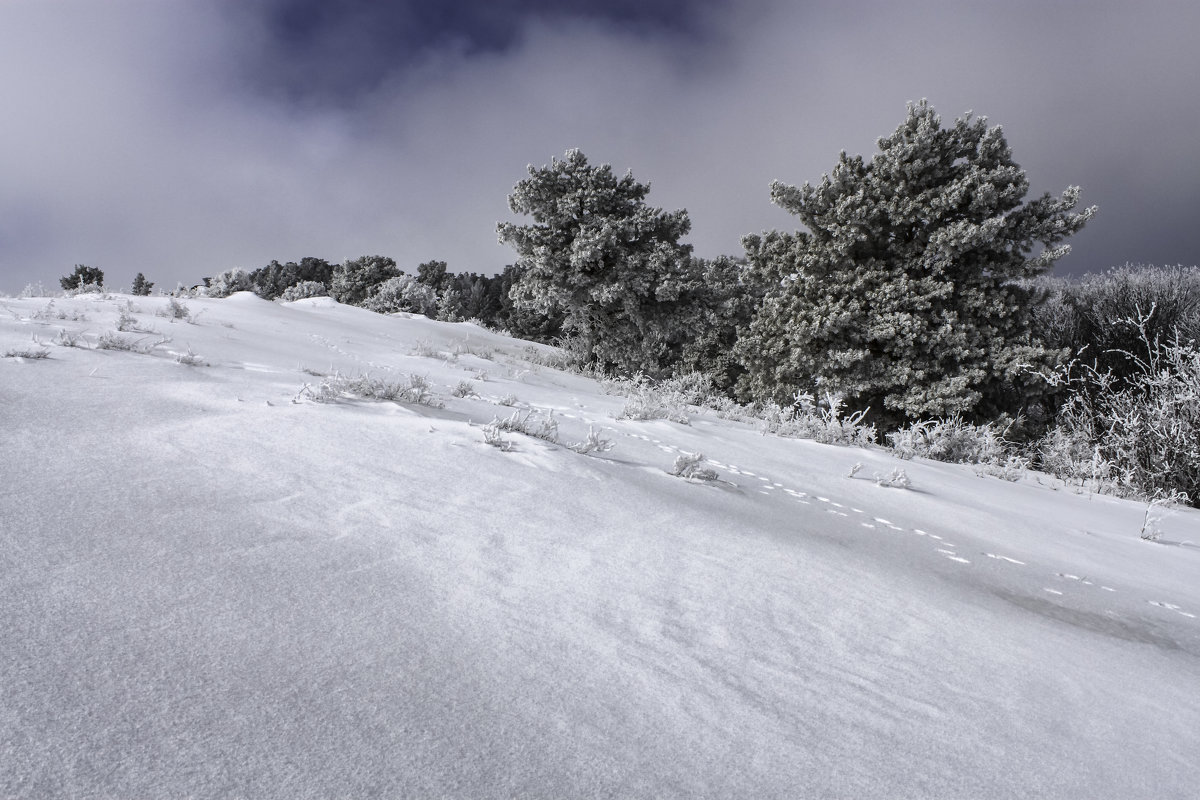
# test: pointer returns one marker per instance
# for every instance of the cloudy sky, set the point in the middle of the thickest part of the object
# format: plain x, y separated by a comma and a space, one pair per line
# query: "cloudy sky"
180, 138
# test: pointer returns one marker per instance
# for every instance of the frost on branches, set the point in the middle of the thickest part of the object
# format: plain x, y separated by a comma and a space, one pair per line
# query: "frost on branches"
902, 293
612, 265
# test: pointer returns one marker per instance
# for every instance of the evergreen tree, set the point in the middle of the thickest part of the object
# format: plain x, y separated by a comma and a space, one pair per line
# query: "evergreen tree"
353, 281
612, 266
81, 277
141, 286
903, 294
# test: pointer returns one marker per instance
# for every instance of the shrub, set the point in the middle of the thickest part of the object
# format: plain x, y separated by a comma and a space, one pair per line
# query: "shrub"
953, 440
174, 310
303, 290
594, 443
539, 426
1134, 435
687, 465
822, 421
230, 281
649, 399
402, 293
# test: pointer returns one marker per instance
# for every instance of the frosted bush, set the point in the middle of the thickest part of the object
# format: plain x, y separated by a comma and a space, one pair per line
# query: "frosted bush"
687, 465
594, 443
333, 388
898, 479
465, 389
303, 290
1135, 435
402, 293
647, 399
952, 440
540, 425
822, 421
174, 310
36, 352
230, 281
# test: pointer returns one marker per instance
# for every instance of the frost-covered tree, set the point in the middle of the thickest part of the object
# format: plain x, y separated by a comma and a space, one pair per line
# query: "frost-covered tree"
141, 286
230, 281
610, 264
83, 276
903, 293
402, 293
353, 281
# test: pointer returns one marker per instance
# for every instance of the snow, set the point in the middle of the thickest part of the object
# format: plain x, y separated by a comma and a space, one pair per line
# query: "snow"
211, 585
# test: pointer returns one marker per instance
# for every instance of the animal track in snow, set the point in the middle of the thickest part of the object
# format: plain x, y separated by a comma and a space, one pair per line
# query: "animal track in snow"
1005, 558
1172, 607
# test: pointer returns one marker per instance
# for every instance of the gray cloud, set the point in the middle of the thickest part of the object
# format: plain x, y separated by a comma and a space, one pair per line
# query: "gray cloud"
134, 141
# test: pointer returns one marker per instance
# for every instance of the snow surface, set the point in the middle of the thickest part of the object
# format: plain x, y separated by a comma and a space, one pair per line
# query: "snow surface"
212, 587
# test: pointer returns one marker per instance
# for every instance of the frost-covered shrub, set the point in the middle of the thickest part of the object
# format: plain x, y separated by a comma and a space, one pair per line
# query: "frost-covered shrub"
594, 443
190, 359
1109, 318
36, 352
688, 465
464, 389
174, 310
333, 388
1137, 435
402, 293
953, 440
897, 479
111, 341
541, 425
304, 290
648, 399
823, 421
230, 281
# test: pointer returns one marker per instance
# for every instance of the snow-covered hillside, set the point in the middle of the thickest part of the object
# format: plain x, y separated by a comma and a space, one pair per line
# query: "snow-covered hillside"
212, 585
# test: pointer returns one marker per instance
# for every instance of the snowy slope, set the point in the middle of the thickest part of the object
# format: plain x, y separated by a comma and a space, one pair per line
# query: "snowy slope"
211, 585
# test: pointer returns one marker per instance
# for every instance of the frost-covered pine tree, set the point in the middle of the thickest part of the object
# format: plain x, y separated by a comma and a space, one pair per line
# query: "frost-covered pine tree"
354, 280
609, 263
903, 293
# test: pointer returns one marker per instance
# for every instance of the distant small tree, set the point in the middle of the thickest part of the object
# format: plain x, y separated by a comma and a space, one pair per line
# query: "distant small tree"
905, 293
82, 276
141, 286
228, 282
610, 264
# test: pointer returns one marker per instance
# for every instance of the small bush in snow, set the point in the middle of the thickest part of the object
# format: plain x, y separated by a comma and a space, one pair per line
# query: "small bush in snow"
190, 359
66, 339
33, 290
952, 440
111, 341
28, 352
540, 426
647, 399
898, 479
822, 421
303, 290
687, 465
174, 310
464, 389
594, 443
415, 390
493, 436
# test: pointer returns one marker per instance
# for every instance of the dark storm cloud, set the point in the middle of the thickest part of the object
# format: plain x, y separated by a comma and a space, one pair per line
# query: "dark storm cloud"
181, 139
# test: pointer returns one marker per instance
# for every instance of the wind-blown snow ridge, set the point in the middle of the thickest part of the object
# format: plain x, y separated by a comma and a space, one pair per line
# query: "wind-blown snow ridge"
214, 585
